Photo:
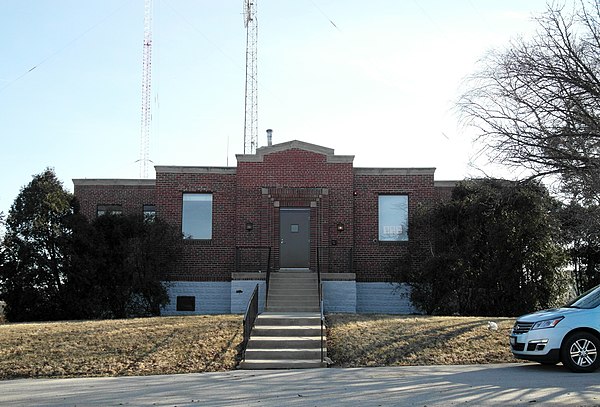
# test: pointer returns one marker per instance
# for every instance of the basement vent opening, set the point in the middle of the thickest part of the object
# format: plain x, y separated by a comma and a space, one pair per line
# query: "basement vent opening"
186, 303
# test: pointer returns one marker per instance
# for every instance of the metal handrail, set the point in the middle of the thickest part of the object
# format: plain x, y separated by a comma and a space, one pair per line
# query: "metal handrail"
250, 318
321, 304
322, 319
268, 278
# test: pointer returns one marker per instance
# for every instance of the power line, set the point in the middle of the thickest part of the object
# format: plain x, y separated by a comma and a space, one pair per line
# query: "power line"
63, 48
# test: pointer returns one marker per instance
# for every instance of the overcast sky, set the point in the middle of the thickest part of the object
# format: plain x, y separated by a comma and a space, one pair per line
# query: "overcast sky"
377, 79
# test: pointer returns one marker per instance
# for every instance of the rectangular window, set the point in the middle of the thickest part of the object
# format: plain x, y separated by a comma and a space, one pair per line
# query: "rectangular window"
149, 212
186, 303
109, 210
393, 218
196, 218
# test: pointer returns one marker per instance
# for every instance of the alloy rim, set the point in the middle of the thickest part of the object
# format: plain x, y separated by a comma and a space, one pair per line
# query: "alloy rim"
583, 352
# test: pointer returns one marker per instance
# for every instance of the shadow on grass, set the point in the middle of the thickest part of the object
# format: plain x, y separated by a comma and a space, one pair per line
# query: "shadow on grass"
220, 356
407, 341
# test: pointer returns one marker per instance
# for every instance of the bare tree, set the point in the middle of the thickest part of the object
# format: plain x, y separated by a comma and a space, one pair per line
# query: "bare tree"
536, 104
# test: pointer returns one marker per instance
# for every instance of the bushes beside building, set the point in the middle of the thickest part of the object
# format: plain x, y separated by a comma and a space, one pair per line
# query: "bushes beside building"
497, 251
54, 264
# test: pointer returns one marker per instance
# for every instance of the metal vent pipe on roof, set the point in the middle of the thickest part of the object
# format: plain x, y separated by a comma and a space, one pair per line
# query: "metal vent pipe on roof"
269, 137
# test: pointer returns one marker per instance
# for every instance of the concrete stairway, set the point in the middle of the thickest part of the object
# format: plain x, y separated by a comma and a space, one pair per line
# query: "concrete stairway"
288, 334
293, 292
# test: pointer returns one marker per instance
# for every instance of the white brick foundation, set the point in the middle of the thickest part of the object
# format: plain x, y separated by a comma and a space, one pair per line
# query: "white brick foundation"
339, 296
383, 298
241, 290
211, 297
343, 296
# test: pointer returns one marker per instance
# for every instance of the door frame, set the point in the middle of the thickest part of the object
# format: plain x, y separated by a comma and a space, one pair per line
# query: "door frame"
300, 257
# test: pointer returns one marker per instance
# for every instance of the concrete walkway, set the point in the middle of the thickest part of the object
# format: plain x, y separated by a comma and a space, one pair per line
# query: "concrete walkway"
506, 384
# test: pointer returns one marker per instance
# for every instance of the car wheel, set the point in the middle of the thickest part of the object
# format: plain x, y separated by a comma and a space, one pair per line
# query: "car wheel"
580, 352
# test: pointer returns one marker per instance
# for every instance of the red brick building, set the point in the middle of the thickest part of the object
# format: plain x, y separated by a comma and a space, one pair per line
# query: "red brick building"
290, 205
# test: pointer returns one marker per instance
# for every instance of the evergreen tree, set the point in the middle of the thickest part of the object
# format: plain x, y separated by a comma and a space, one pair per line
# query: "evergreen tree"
36, 249
497, 251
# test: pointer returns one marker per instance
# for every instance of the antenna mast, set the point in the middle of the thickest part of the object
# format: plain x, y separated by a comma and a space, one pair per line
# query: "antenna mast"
251, 105
146, 91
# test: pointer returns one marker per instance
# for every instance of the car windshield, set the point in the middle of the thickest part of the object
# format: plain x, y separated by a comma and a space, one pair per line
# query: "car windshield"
589, 299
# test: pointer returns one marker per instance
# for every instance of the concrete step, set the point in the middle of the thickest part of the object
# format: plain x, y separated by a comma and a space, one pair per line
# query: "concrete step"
287, 299
282, 354
294, 290
295, 319
275, 294
293, 285
292, 278
282, 364
298, 285
314, 330
285, 342
293, 308
308, 276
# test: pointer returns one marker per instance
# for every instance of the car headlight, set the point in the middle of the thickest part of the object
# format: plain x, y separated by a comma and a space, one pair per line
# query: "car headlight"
547, 323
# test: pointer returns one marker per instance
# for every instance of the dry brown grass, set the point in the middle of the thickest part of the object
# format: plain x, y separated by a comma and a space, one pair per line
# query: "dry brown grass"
120, 347
385, 340
212, 343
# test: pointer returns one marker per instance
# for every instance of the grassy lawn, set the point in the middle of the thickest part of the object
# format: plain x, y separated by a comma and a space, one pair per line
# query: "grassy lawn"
120, 347
388, 340
212, 343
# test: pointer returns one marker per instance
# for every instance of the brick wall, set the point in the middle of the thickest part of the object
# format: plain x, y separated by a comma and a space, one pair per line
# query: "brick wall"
132, 195
209, 297
384, 298
300, 175
241, 292
203, 260
293, 174
443, 190
339, 296
371, 256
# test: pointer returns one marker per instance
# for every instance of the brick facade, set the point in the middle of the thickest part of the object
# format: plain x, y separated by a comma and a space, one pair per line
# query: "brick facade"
131, 194
246, 204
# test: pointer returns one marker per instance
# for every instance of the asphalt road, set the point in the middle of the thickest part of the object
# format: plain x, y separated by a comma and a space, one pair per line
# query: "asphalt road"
503, 384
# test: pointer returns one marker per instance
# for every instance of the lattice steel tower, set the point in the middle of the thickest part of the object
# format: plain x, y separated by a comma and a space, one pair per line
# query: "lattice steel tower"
251, 105
144, 159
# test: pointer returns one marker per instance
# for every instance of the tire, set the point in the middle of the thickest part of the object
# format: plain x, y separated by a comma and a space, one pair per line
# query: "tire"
580, 352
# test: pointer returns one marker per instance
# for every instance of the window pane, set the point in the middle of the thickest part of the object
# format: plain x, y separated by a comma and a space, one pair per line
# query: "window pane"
197, 216
149, 212
109, 210
393, 218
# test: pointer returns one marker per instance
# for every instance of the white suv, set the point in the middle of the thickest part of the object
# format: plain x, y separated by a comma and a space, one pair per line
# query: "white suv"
570, 334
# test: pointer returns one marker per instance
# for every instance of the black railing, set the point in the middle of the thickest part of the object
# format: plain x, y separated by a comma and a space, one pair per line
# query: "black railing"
335, 259
322, 320
268, 278
321, 309
250, 318
254, 259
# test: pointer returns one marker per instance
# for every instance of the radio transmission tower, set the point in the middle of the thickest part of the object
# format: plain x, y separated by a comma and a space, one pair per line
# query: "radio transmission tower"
251, 105
146, 91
